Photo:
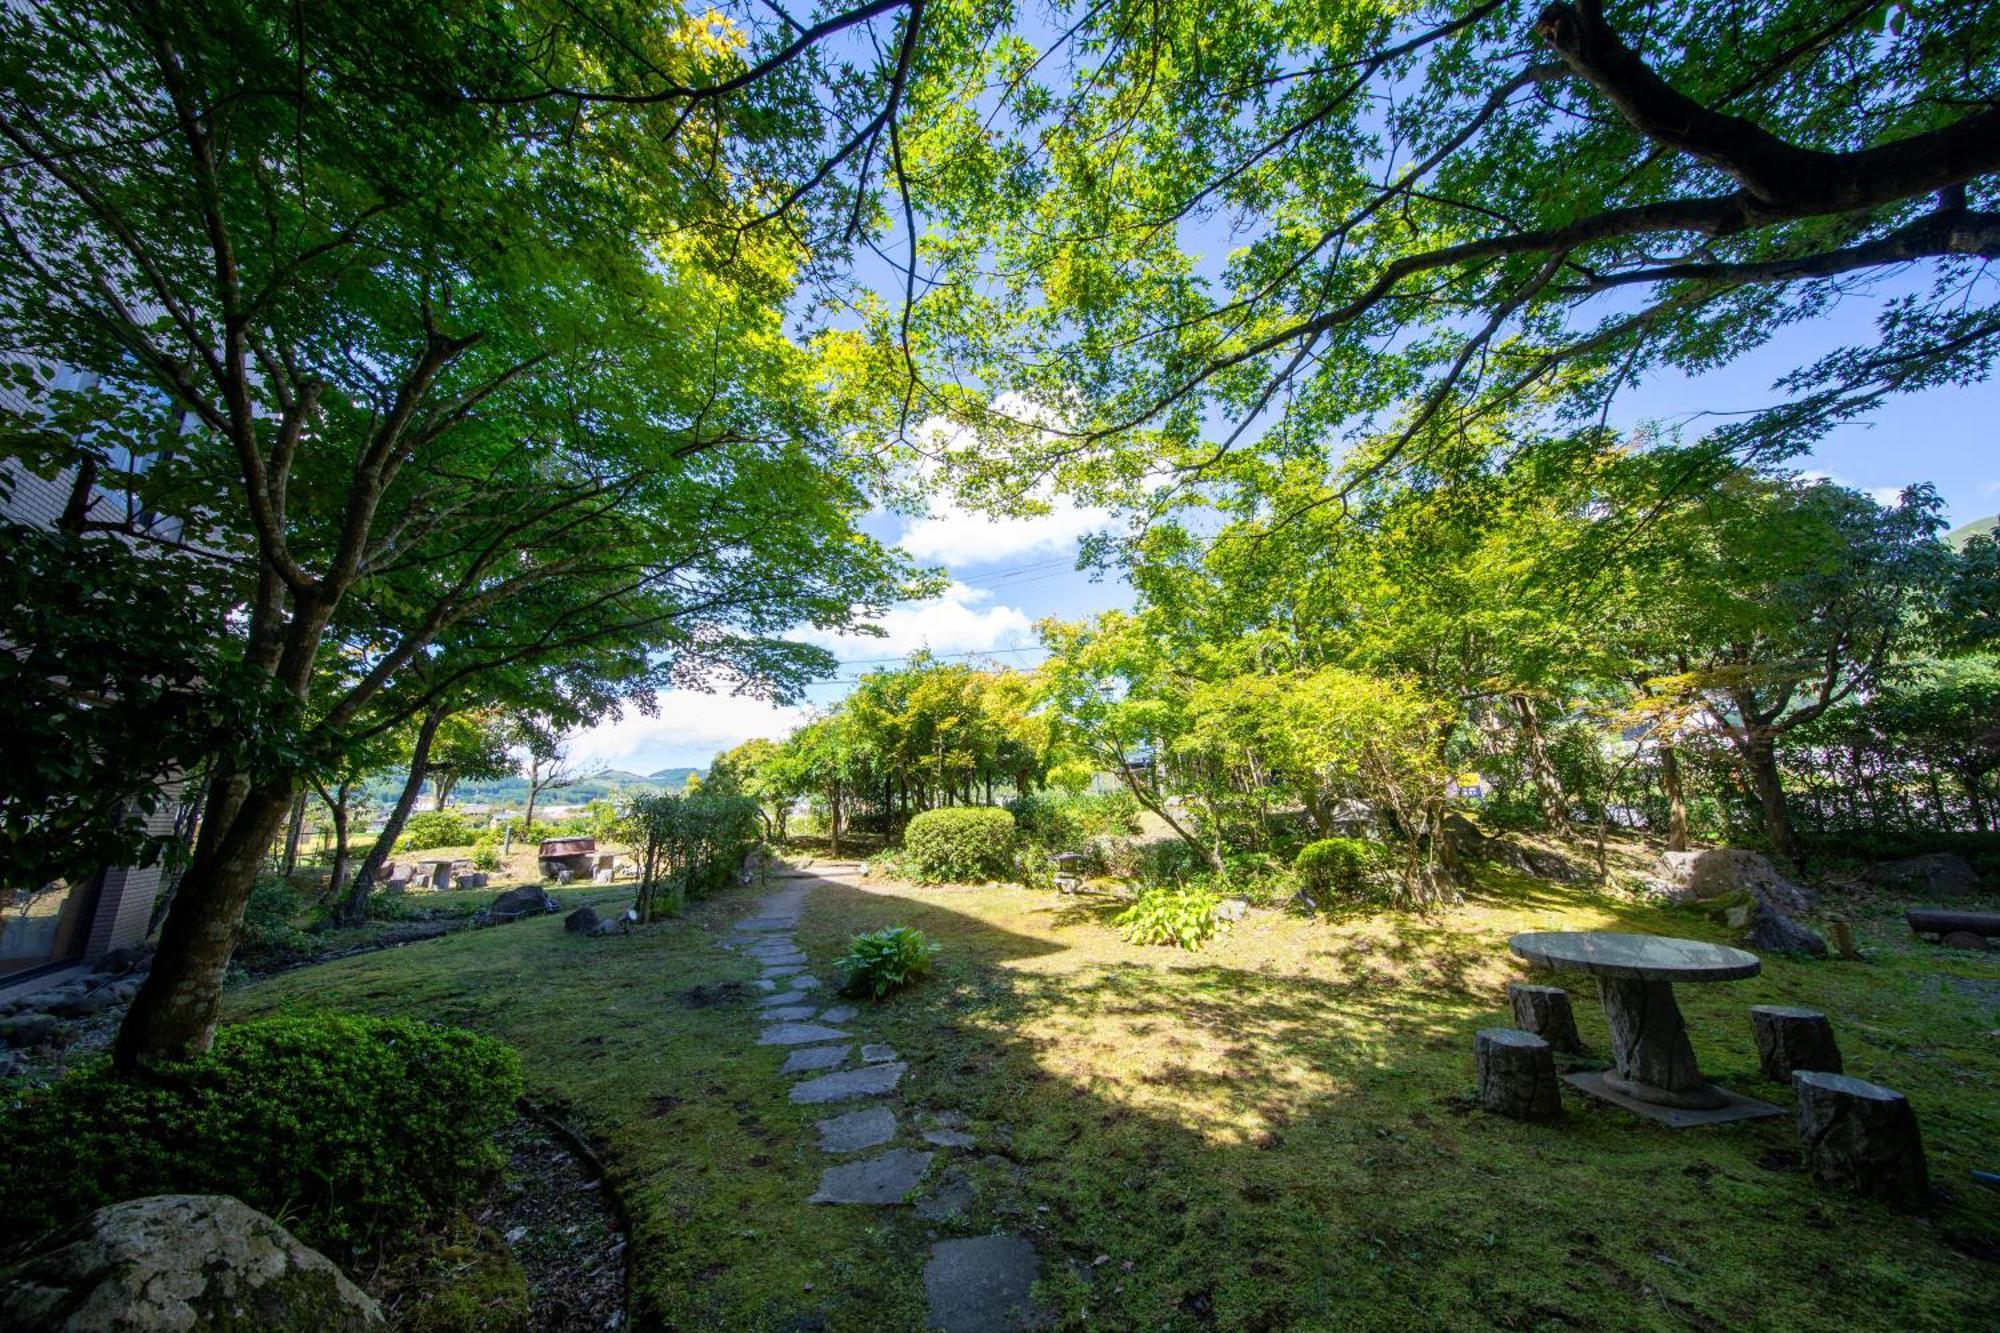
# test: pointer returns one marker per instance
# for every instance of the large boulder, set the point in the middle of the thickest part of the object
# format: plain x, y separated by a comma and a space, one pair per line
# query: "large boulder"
1770, 931
1723, 872
1935, 877
180, 1261
517, 903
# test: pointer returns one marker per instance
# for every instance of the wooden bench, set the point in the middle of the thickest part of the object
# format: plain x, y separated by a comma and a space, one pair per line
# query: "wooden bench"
1960, 930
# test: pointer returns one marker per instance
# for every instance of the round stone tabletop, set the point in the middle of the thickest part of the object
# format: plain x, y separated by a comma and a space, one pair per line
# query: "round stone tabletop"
1607, 953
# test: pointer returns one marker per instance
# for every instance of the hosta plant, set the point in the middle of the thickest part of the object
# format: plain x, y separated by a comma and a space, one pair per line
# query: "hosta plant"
881, 961
1184, 917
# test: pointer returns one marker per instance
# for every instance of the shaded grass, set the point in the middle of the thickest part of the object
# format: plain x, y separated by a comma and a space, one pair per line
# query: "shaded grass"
1273, 1133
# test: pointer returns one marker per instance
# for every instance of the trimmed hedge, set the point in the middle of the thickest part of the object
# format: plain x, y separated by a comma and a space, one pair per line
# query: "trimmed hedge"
1334, 866
959, 844
345, 1128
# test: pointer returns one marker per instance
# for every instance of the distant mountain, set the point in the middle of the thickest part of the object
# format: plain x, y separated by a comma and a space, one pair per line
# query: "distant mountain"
512, 792
1958, 537
673, 779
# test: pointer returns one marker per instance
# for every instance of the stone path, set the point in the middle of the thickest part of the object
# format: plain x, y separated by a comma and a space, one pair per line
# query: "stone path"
979, 1284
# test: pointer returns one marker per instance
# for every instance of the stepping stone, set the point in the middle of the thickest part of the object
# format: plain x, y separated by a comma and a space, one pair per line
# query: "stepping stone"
787, 958
780, 973
797, 1034
951, 1197
949, 1138
875, 1053
765, 983
980, 1285
771, 944
840, 1013
810, 1058
878, 1180
785, 997
868, 1081
802, 983
790, 1013
870, 1127
759, 924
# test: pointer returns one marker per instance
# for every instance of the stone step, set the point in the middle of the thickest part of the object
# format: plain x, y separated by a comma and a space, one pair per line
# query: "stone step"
798, 1034
870, 1127
807, 1059
877, 1180
981, 1285
868, 1081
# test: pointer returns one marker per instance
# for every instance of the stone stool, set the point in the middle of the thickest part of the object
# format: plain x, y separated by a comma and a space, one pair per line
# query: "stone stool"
1545, 1011
1862, 1136
1789, 1040
1517, 1074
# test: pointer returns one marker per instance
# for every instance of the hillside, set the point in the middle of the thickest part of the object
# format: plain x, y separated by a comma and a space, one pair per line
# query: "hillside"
1960, 536
611, 783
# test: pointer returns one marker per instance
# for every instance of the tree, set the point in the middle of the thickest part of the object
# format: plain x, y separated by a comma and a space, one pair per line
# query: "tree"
1439, 215
468, 745
546, 765
467, 392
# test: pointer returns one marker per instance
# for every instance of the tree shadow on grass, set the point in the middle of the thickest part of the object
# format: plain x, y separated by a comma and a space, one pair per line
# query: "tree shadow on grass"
1198, 1144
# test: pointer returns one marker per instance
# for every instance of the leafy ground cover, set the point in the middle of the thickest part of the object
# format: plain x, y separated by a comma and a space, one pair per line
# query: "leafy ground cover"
1272, 1133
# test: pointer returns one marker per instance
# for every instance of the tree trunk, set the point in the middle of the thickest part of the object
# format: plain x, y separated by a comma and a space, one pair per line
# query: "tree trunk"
445, 782
293, 829
1159, 808
833, 806
1548, 784
353, 909
173, 1015
337, 812
1760, 761
1677, 810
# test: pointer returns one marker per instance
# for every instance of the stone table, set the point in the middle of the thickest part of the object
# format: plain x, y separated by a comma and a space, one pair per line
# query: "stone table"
1655, 1071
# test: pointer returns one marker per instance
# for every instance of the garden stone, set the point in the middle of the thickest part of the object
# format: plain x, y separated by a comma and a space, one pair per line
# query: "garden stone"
785, 998
953, 1196
122, 960
875, 1053
1789, 1040
1860, 1135
797, 1034
85, 1005
870, 1127
1774, 932
782, 973
868, 1081
840, 1013
181, 1261
582, 921
790, 1013
29, 1029
877, 1180
1722, 872
948, 1138
518, 903
981, 1285
810, 1058
1936, 876
1545, 1011
805, 983
1232, 909
1517, 1074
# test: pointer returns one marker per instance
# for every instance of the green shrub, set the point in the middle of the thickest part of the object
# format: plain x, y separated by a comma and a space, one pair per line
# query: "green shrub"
881, 961
435, 828
1070, 823
688, 846
959, 844
1334, 866
270, 932
1184, 917
486, 850
345, 1127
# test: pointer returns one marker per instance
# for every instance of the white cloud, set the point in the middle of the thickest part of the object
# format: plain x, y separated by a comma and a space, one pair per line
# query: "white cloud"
1886, 495
953, 537
690, 729
952, 623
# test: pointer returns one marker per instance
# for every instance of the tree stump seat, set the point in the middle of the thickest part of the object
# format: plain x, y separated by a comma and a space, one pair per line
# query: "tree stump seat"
1789, 1040
1517, 1074
1862, 1136
1546, 1012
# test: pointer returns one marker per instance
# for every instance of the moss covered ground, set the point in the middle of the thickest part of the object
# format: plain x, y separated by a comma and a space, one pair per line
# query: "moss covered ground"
1272, 1133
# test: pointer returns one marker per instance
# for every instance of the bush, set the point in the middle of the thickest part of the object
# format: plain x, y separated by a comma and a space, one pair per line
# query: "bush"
1070, 823
435, 828
1184, 917
885, 960
270, 931
959, 844
1334, 866
486, 850
346, 1128
688, 846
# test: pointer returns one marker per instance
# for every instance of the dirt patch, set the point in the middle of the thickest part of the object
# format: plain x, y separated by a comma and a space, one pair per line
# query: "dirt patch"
562, 1230
705, 997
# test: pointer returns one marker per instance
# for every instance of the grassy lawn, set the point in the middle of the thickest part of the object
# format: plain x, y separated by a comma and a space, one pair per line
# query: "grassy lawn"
1273, 1133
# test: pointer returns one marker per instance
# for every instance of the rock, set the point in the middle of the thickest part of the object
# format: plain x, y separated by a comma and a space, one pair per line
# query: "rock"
1773, 932
1232, 909
1938, 876
1789, 1040
474, 879
1964, 939
840, 1013
955, 1195
1720, 872
808, 1059
1545, 1011
797, 1034
1461, 838
583, 921
10, 1064
28, 1030
120, 961
86, 1005
867, 1081
1537, 862
180, 1261
1862, 1136
1517, 1074
518, 903
878, 1180
948, 1138
870, 1127
875, 1053
789, 1013
981, 1285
